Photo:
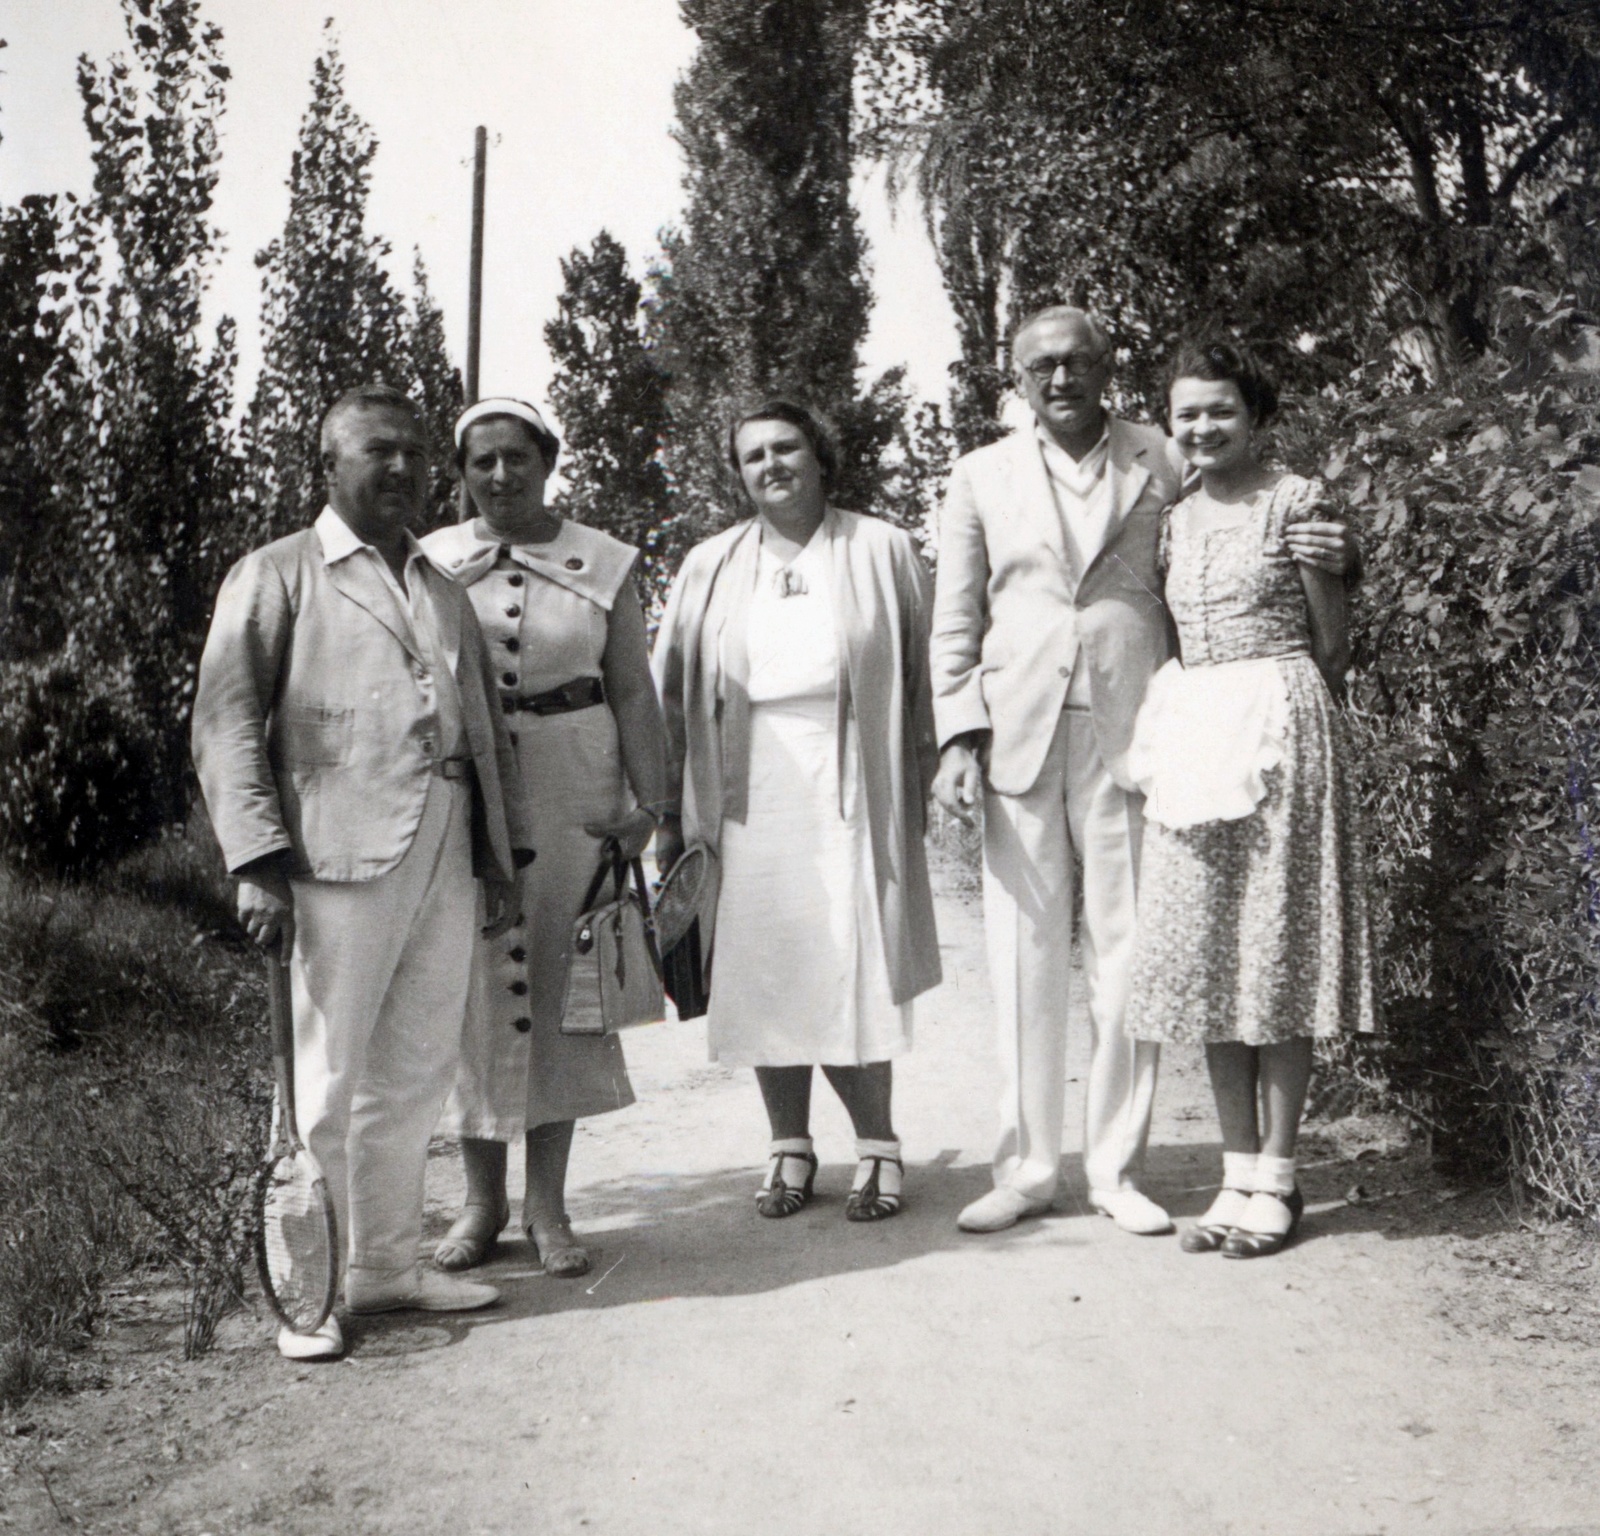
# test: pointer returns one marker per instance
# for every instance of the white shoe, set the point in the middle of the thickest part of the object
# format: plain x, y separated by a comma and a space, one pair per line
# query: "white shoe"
417, 1290
1002, 1207
325, 1343
1132, 1210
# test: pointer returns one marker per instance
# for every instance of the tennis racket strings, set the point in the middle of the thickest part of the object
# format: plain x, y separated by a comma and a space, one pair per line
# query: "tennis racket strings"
297, 1250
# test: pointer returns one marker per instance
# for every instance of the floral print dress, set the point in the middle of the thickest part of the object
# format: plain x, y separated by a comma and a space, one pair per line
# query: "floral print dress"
1253, 921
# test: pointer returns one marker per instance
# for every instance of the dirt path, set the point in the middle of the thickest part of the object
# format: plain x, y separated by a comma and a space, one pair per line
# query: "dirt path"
1398, 1371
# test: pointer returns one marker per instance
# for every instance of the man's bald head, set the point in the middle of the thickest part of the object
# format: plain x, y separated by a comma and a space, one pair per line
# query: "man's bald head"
1067, 315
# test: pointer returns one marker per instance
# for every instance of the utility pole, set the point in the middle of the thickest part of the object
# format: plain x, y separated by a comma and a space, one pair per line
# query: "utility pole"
480, 168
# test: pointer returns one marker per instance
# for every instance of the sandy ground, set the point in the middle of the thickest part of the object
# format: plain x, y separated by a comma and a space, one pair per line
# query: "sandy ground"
1416, 1363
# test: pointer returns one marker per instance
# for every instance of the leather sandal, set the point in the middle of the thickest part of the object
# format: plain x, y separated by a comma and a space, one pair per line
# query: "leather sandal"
1208, 1237
562, 1260
777, 1197
871, 1202
472, 1237
1242, 1243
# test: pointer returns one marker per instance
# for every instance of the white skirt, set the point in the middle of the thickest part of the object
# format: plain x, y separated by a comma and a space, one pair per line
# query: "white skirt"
799, 976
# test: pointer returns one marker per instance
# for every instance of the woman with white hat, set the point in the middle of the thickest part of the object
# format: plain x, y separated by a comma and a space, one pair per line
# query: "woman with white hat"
566, 632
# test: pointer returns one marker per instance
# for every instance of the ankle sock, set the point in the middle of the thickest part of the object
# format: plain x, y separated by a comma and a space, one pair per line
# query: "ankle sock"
797, 1146
1266, 1212
1238, 1182
888, 1174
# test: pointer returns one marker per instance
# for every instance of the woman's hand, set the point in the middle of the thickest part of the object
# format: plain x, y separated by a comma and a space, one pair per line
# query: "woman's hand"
669, 843
502, 905
632, 831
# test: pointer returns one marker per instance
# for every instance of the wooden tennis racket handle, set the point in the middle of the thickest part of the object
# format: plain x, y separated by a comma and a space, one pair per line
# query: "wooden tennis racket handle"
281, 1011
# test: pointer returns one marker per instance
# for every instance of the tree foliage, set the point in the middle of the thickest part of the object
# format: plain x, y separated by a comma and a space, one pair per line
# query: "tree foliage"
135, 405
611, 398
332, 318
1349, 173
762, 290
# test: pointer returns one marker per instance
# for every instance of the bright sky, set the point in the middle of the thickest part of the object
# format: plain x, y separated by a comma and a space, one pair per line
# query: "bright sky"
577, 97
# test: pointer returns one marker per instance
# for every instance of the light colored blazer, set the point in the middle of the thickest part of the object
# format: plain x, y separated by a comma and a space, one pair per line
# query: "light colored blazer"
701, 668
310, 732
1011, 614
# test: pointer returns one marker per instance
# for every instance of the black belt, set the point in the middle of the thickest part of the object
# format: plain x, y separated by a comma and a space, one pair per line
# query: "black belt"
580, 693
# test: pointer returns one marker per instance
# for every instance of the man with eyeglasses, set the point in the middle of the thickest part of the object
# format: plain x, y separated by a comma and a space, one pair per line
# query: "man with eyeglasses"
1048, 622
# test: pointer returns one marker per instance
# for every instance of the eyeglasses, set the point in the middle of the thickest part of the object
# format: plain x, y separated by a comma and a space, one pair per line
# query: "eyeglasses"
1078, 365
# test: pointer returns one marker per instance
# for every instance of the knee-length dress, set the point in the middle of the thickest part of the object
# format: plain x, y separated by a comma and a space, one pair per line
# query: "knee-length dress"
544, 612
798, 974
1252, 905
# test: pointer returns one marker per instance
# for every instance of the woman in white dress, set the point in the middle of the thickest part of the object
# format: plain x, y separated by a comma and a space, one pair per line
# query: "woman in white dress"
567, 635
792, 663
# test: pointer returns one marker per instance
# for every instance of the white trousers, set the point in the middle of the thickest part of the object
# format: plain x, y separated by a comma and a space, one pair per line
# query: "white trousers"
379, 978
1074, 823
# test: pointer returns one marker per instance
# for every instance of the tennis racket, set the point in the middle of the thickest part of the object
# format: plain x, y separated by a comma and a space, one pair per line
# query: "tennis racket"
297, 1237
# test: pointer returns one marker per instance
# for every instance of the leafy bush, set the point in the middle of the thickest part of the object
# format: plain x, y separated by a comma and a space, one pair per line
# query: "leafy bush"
1476, 707
80, 786
133, 1099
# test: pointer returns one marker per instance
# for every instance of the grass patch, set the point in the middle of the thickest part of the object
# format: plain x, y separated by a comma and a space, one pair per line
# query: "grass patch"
133, 1099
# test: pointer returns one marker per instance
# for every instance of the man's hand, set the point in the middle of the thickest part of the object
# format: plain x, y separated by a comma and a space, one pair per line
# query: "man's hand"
1327, 547
502, 905
266, 904
669, 843
958, 785
631, 831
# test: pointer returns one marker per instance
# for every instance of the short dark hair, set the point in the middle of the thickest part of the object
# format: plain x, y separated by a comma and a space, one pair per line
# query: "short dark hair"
810, 425
1218, 360
366, 397
548, 444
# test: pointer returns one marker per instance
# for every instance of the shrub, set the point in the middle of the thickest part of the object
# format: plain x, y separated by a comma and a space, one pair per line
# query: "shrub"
80, 785
133, 1099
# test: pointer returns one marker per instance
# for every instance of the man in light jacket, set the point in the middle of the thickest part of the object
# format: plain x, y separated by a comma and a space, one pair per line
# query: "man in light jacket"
352, 757
1048, 623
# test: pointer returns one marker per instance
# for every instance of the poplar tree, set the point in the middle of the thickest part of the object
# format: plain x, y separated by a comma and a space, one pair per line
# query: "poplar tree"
762, 290
610, 397
136, 404
332, 317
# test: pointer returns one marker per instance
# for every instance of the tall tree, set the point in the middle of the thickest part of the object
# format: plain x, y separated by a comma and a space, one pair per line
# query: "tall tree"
332, 318
1344, 173
762, 289
30, 333
136, 407
611, 398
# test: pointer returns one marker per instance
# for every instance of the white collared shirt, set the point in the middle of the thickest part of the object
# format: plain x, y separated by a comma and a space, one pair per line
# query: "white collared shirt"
436, 681
1082, 489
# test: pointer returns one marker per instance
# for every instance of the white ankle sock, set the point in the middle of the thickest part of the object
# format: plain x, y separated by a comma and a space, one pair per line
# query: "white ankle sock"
888, 1174
1267, 1213
797, 1146
1274, 1175
1238, 1181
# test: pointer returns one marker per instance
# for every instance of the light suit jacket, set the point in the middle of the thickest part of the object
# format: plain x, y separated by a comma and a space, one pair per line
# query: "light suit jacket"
701, 667
1011, 614
311, 733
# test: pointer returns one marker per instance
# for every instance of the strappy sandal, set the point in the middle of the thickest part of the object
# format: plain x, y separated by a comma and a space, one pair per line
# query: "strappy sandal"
871, 1202
1207, 1237
472, 1237
777, 1197
562, 1260
1242, 1243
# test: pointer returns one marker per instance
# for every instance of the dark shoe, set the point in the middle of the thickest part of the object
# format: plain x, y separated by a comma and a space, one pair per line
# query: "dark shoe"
777, 1197
872, 1202
1242, 1243
1207, 1237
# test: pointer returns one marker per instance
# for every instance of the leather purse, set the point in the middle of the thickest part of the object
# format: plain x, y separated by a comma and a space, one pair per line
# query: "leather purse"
614, 941
687, 892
